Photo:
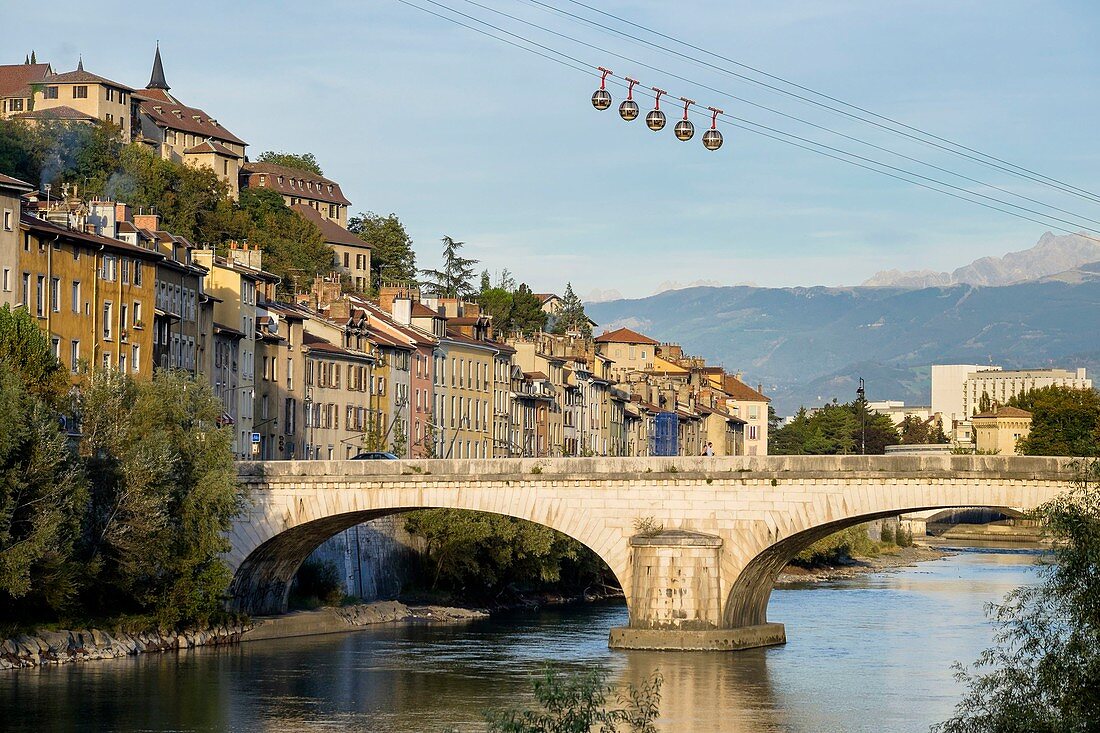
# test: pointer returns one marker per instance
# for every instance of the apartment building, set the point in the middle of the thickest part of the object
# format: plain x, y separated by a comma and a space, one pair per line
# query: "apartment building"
1002, 385
12, 191
80, 95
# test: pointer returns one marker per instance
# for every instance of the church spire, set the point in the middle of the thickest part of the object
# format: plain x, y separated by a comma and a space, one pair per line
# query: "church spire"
80, 63
157, 80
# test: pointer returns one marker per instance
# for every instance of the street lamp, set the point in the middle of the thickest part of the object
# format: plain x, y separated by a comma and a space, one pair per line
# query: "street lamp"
861, 398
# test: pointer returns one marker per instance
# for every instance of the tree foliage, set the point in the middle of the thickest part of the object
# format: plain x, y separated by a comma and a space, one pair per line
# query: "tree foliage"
163, 493
26, 350
479, 554
580, 704
1043, 673
834, 429
571, 317
392, 259
42, 497
1064, 421
915, 431
294, 247
452, 280
527, 315
301, 161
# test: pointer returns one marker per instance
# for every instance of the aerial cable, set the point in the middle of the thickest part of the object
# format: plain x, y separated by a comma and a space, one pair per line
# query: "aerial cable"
779, 136
719, 91
758, 105
933, 140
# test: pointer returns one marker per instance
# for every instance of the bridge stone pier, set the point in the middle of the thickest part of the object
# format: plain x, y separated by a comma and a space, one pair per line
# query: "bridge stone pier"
696, 543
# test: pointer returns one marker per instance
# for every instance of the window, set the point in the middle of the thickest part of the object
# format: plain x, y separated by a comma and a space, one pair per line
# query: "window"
110, 268
56, 343
110, 94
123, 318
55, 294
137, 315
7, 279
40, 296
51, 93
26, 289
8, 218
347, 258
126, 270
76, 296
80, 92
74, 356
753, 432
15, 105
135, 350
107, 310
122, 361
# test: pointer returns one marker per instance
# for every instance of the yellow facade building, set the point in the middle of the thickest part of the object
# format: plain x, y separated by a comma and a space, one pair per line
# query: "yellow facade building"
1000, 429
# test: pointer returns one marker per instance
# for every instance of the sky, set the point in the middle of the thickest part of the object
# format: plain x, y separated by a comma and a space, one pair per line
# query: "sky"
465, 136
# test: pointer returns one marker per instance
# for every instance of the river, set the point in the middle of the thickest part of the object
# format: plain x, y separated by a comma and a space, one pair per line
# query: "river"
871, 653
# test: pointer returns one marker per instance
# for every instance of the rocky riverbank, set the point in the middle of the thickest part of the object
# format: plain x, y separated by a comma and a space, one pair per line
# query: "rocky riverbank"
904, 557
62, 647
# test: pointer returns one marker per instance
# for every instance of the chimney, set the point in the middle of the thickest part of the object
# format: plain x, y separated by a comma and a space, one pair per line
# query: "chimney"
122, 211
147, 221
401, 310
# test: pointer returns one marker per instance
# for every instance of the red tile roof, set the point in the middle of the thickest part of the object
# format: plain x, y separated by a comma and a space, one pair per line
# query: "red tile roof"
323, 189
205, 125
9, 182
1000, 411
333, 232
42, 226
15, 79
80, 76
625, 336
56, 113
738, 390
419, 310
211, 146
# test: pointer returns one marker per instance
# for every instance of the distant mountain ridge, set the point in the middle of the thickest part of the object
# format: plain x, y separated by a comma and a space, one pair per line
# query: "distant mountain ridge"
1051, 255
808, 345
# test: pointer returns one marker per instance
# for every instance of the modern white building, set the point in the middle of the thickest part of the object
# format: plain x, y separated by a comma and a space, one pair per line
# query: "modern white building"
1003, 385
949, 391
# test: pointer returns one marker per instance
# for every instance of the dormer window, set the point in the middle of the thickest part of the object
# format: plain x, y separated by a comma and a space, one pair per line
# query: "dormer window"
280, 180
263, 179
330, 188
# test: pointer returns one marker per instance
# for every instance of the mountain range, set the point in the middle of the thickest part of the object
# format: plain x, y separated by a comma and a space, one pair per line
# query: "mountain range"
807, 345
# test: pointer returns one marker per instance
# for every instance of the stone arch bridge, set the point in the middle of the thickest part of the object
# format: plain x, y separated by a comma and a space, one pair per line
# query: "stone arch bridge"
695, 542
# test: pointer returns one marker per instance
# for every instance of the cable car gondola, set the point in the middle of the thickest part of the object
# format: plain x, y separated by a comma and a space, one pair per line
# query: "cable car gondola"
601, 98
655, 120
712, 138
684, 129
628, 110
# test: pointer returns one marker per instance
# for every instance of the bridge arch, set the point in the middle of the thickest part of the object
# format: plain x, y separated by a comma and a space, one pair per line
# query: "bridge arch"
747, 601
264, 564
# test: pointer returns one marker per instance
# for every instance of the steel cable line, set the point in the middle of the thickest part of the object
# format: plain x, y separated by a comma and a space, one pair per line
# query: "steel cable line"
749, 126
800, 120
934, 140
743, 120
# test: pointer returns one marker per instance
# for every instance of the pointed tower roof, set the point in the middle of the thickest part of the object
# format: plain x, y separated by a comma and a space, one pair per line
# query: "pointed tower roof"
80, 63
156, 79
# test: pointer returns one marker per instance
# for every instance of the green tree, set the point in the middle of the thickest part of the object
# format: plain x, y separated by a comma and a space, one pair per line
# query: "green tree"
293, 247
26, 350
1064, 421
571, 315
984, 403
1043, 673
453, 280
497, 302
834, 429
42, 498
163, 493
480, 554
527, 315
580, 704
392, 259
301, 161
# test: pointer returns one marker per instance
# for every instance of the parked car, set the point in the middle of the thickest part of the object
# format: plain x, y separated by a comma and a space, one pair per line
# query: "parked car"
375, 455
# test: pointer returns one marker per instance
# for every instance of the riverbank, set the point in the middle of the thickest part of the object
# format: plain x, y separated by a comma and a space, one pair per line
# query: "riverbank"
340, 619
903, 557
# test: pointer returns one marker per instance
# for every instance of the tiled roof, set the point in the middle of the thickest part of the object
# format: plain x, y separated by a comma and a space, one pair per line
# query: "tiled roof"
272, 172
9, 182
211, 146
419, 310
48, 228
56, 113
625, 336
535, 376
704, 410
15, 79
1003, 412
219, 328
80, 76
333, 232
316, 343
205, 125
738, 390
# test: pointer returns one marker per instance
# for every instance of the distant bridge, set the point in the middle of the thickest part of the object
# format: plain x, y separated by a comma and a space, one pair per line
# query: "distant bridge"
719, 529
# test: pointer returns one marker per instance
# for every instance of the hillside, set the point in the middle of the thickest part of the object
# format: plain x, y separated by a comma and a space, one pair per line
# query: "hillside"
807, 345
1051, 255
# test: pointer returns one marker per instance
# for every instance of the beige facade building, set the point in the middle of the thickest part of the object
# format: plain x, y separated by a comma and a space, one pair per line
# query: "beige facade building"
17, 85
81, 96
1000, 429
11, 198
298, 186
1002, 385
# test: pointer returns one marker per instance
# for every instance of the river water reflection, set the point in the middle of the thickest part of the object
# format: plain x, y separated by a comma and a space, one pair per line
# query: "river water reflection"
865, 654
